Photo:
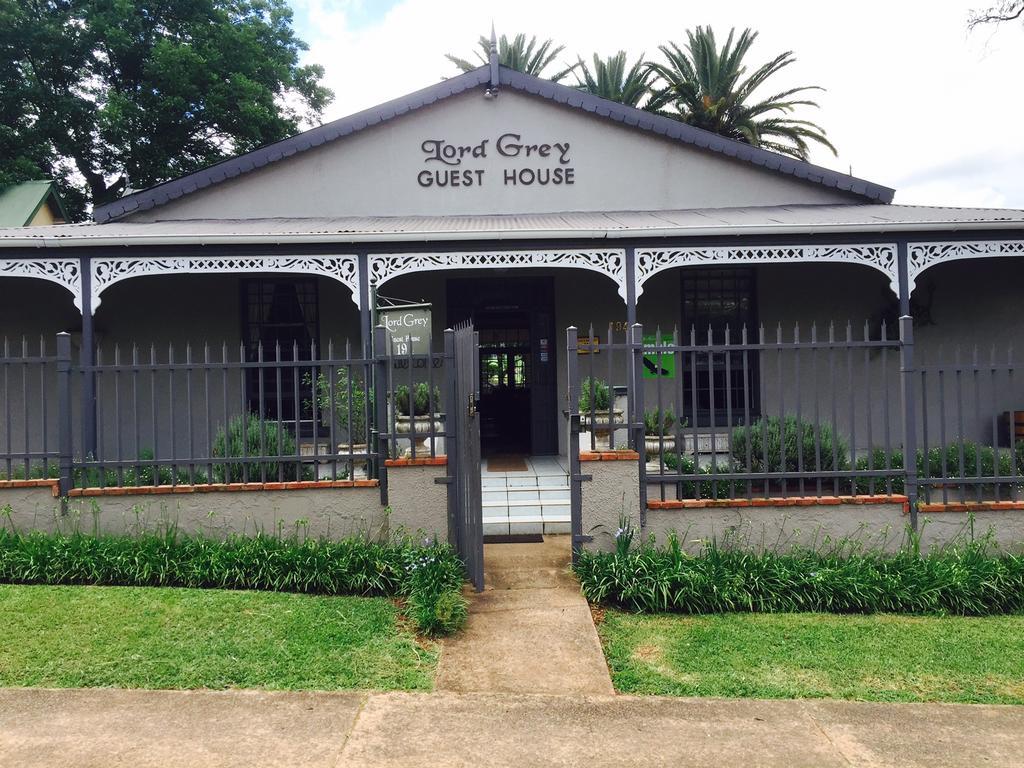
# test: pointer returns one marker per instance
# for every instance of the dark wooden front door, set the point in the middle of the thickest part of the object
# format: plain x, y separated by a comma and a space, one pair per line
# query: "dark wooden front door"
514, 318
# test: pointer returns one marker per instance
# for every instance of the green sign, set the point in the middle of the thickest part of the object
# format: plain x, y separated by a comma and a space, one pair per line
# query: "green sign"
658, 364
408, 328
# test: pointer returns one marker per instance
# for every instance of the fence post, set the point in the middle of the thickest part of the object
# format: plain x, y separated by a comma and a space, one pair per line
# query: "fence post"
636, 427
380, 407
64, 438
451, 442
573, 438
909, 415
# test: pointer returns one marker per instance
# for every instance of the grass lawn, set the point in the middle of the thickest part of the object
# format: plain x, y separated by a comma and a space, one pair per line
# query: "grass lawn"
144, 637
873, 658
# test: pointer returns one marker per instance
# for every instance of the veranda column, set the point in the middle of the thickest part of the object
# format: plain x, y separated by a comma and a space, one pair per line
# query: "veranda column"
909, 399
365, 310
630, 321
87, 359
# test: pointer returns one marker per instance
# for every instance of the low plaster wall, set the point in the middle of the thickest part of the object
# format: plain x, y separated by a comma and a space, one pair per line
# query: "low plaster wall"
317, 511
613, 493
877, 521
877, 525
418, 505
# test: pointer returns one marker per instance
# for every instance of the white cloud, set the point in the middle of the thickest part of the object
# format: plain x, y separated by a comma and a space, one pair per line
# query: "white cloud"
910, 91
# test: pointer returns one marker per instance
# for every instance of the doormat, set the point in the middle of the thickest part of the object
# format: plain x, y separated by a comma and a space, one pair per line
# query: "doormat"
506, 464
515, 538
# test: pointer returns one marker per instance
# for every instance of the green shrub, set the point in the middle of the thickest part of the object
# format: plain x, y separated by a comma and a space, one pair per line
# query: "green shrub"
874, 461
596, 389
435, 580
803, 443
704, 489
973, 455
420, 399
657, 424
36, 471
357, 433
354, 566
139, 474
969, 578
269, 438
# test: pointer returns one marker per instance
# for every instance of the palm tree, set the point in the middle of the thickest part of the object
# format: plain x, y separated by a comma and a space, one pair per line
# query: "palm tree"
610, 79
708, 88
519, 54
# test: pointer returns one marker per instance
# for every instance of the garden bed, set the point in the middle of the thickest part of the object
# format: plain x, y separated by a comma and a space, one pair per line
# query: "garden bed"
428, 576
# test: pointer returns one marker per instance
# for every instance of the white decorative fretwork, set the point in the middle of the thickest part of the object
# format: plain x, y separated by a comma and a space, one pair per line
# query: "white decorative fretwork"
64, 272
107, 271
921, 256
608, 261
651, 261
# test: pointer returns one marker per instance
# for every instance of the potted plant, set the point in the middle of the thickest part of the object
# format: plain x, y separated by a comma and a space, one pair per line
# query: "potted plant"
413, 414
658, 433
349, 412
595, 409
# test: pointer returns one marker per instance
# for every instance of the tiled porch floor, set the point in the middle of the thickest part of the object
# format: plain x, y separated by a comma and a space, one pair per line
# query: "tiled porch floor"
534, 501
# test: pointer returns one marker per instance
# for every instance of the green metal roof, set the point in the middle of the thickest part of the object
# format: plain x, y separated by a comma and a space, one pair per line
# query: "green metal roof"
20, 202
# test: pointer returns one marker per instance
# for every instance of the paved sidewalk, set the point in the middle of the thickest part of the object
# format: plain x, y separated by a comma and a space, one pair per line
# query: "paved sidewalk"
172, 729
529, 631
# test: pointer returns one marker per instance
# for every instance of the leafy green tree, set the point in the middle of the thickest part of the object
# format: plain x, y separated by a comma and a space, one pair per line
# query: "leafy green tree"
103, 94
528, 56
708, 87
610, 79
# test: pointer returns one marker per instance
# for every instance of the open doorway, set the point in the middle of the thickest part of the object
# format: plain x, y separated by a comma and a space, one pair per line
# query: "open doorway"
514, 317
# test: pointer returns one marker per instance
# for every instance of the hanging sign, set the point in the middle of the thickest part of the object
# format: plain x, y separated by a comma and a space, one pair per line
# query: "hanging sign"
409, 328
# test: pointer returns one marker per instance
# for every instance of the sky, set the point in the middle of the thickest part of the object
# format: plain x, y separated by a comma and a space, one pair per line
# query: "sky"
913, 100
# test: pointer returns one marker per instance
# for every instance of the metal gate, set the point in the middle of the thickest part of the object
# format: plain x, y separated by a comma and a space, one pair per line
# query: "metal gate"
464, 492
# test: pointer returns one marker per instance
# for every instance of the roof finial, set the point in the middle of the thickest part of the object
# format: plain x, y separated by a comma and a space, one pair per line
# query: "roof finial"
494, 59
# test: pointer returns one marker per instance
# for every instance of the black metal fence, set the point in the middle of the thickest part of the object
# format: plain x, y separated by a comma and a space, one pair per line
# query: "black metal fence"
210, 415
805, 411
29, 440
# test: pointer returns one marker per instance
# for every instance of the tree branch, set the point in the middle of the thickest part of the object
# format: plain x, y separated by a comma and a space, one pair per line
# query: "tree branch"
996, 14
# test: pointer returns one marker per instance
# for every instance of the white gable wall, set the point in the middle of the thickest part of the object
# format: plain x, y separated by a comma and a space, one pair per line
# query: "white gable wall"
376, 172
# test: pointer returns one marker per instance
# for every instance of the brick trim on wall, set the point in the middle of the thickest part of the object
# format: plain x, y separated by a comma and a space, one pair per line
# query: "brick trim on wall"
791, 501
54, 485
151, 490
609, 456
973, 506
428, 461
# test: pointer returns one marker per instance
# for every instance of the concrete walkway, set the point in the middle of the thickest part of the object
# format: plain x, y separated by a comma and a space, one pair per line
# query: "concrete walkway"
529, 631
168, 729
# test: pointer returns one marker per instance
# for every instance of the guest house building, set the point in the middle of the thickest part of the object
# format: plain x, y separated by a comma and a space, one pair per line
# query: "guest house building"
525, 207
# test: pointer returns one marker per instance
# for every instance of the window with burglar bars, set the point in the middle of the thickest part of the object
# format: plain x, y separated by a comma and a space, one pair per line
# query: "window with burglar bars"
285, 314
714, 300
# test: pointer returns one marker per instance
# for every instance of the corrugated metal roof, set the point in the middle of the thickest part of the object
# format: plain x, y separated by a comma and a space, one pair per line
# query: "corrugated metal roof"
19, 202
479, 78
785, 219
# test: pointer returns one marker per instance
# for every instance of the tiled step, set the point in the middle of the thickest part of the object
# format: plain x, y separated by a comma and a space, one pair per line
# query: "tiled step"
508, 504
505, 526
526, 503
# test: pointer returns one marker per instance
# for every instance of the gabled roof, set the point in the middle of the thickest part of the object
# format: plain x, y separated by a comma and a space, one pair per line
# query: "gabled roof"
478, 78
19, 203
